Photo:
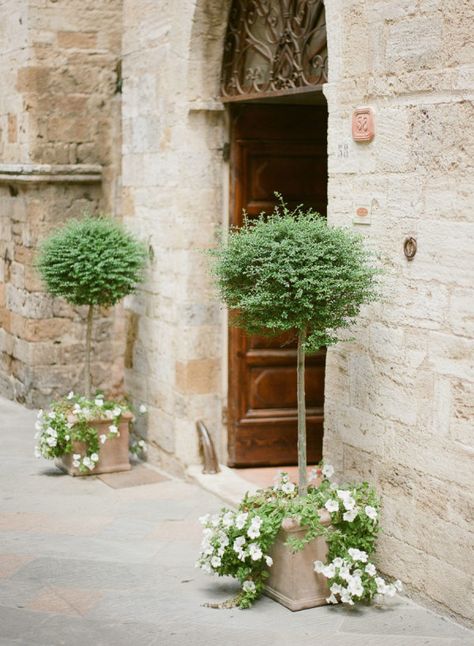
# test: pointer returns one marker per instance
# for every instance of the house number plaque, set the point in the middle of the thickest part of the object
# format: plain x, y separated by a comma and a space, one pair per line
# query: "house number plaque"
363, 126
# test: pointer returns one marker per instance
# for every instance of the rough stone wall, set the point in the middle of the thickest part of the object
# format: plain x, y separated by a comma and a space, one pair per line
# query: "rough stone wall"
173, 177
399, 399
59, 157
14, 46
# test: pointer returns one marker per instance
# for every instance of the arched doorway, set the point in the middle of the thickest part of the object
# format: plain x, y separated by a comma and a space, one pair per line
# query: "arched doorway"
274, 66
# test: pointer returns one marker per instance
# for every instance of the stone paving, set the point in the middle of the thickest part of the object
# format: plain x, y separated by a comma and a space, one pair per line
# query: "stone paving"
84, 563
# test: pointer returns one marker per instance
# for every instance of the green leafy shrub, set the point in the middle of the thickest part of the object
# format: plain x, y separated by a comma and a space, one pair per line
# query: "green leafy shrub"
94, 262
237, 543
292, 272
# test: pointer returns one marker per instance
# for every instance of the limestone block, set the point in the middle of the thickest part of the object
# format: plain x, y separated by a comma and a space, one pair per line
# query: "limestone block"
461, 312
77, 39
439, 140
415, 451
31, 305
198, 376
162, 429
393, 144
413, 42
451, 355
462, 413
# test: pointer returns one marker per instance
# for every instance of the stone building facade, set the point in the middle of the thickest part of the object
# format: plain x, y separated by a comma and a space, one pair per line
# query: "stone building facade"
59, 158
399, 397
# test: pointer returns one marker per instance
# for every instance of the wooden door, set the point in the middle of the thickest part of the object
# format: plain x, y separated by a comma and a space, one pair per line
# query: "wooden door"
274, 148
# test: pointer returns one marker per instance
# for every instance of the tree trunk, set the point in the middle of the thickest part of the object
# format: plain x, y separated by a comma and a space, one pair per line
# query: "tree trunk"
302, 460
90, 314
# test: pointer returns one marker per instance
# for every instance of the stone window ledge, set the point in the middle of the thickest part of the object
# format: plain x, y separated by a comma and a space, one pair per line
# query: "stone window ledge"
51, 173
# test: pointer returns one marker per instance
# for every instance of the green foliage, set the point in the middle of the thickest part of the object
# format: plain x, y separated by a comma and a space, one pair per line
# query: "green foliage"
291, 271
66, 429
238, 543
92, 261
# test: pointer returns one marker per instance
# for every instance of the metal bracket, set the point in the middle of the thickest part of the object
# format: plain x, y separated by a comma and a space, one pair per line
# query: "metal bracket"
211, 465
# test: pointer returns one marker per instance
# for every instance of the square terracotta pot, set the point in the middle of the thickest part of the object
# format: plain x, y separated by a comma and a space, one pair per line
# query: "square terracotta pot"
113, 455
293, 581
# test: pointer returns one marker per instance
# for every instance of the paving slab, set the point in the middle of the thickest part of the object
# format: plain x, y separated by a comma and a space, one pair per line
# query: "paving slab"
83, 562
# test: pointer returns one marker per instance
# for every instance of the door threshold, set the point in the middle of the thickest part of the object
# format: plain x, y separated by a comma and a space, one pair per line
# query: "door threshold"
231, 485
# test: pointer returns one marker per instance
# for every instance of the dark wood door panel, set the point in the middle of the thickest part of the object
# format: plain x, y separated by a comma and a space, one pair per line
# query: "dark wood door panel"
274, 148
273, 441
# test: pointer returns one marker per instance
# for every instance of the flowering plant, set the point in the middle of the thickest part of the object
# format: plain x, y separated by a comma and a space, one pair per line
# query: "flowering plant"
238, 543
69, 421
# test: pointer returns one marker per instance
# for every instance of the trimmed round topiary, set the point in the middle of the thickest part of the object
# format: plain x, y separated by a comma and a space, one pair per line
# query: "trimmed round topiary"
93, 262
292, 272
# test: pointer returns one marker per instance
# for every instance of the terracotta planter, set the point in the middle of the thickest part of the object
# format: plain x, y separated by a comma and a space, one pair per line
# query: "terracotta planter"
113, 455
293, 581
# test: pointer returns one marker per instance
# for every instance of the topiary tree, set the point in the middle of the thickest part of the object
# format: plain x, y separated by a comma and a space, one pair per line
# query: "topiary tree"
292, 272
94, 262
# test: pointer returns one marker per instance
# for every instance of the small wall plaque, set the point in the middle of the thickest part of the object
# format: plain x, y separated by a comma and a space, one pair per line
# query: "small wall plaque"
363, 125
362, 214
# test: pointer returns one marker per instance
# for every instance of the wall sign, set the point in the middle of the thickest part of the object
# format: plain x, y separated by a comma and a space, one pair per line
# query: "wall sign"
363, 125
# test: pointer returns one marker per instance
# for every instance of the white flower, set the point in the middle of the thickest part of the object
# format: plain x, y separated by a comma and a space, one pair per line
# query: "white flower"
255, 552
329, 571
331, 599
371, 569
38, 425
288, 487
94, 457
336, 588
99, 402
248, 586
215, 520
350, 515
103, 438
142, 409
345, 573
223, 539
215, 561
40, 413
67, 437
254, 529
328, 470
228, 519
398, 585
51, 441
371, 512
239, 543
390, 590
142, 445
318, 567
268, 561
52, 431
76, 463
358, 555
313, 474
332, 505
241, 519
52, 415
381, 585
87, 462
113, 429
346, 597
338, 562
70, 395
117, 411
355, 586
76, 456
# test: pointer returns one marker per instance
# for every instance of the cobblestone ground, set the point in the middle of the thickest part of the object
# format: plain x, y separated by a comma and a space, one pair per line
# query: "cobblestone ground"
83, 563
